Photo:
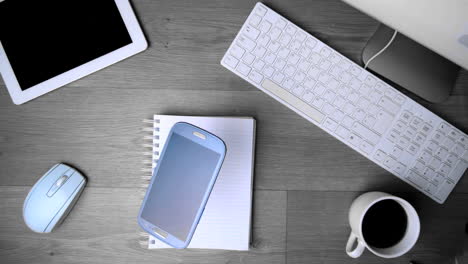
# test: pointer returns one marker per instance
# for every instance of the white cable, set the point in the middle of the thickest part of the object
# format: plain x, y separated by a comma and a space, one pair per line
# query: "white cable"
382, 50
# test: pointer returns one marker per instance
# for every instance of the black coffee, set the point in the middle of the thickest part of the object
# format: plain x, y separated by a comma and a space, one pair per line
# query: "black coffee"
384, 224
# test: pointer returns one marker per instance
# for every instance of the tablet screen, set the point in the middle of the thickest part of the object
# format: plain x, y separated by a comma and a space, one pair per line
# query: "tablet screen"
45, 38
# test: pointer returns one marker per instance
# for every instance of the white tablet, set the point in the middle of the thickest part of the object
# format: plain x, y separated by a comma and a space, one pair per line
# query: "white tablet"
49, 43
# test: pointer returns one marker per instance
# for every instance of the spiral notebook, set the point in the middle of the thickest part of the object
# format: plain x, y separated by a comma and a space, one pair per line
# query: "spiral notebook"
226, 221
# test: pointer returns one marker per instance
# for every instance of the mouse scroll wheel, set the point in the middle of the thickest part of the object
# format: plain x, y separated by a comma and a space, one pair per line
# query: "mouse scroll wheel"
61, 180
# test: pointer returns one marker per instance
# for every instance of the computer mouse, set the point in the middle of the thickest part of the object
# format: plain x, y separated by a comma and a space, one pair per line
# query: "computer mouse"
52, 198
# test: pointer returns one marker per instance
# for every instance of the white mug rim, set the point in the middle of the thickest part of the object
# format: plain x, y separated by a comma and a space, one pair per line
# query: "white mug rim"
361, 218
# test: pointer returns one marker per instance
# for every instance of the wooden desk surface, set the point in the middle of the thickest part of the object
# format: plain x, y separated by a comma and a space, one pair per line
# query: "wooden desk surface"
304, 179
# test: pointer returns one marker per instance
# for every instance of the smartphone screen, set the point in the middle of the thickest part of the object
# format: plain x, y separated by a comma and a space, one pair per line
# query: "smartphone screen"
179, 185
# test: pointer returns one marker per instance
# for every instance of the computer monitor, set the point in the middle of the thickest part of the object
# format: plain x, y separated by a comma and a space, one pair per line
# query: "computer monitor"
438, 26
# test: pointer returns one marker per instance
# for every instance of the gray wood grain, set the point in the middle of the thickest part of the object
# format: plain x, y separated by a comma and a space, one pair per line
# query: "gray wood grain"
95, 125
102, 228
318, 228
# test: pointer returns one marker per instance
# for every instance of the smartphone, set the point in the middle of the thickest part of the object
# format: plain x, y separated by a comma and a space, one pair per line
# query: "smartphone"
181, 184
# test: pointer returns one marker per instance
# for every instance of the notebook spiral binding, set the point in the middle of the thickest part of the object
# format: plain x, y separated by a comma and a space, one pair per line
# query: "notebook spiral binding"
150, 158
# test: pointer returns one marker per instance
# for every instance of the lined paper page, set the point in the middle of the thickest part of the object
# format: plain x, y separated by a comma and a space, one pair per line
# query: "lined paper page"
226, 222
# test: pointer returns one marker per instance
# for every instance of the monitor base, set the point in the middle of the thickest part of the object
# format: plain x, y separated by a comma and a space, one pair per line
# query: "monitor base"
410, 65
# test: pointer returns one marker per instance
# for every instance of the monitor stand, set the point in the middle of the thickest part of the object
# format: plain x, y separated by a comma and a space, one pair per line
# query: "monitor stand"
410, 65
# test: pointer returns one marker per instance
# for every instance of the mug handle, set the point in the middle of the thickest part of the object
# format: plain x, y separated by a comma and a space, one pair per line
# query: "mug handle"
359, 248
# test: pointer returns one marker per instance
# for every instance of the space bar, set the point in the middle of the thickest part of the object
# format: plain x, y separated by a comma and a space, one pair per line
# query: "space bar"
293, 101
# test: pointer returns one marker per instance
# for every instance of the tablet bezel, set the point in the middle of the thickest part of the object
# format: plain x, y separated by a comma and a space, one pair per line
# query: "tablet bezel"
138, 44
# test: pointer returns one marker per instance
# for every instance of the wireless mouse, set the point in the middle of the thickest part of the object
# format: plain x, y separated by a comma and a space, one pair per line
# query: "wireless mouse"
52, 198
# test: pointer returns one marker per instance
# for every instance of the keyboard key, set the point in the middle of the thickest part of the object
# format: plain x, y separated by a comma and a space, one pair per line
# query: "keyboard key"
289, 70
295, 45
255, 20
304, 65
451, 159
330, 124
354, 139
325, 64
416, 179
315, 58
458, 171
441, 153
366, 133
448, 143
444, 128
308, 96
311, 42
355, 70
274, 46
305, 51
369, 121
342, 132
359, 114
383, 122
438, 179
406, 117
339, 102
283, 52
389, 162
298, 90
413, 149
355, 84
328, 109
294, 58
259, 51
380, 156
265, 26
419, 139
426, 129
435, 163
334, 58
292, 100
329, 96
325, 52
259, 64
370, 81
416, 123
348, 122
263, 40
338, 115
445, 169
309, 83
388, 105
444, 190
458, 150
260, 10
366, 147
314, 72
285, 39
349, 108
291, 29
432, 189
246, 43
419, 167
319, 89
243, 69
268, 71
281, 23
393, 136
318, 102
428, 173
237, 51
301, 36
299, 76
279, 64
278, 77
396, 151
425, 157
463, 141
255, 77
399, 168
251, 32
248, 58
231, 61
453, 134
288, 84
432, 146
270, 58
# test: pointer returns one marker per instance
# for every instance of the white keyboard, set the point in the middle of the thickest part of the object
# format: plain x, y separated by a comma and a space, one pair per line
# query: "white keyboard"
348, 102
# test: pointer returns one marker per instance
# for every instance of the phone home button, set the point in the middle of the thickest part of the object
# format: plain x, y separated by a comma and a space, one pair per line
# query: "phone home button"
159, 232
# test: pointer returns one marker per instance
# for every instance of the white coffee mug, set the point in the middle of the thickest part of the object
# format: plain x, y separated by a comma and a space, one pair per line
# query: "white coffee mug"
358, 210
